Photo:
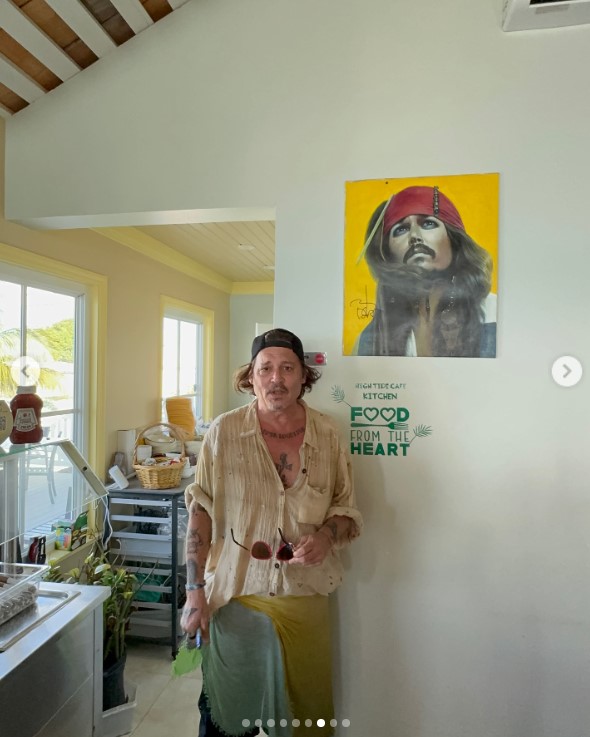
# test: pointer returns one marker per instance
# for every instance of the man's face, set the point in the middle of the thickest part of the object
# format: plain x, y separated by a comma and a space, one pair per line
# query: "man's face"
277, 377
421, 240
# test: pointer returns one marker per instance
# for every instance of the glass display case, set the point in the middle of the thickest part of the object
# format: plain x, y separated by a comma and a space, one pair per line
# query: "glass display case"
40, 485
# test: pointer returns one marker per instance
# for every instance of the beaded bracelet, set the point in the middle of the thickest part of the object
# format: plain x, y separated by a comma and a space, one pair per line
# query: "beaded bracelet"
194, 586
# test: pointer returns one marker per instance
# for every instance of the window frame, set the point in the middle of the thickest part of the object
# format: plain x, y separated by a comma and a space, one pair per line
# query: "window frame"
177, 309
46, 273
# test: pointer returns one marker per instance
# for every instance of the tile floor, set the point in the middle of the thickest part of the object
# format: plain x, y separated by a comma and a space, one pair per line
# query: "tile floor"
165, 704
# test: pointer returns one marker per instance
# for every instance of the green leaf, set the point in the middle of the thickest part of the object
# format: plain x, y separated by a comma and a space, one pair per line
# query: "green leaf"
186, 660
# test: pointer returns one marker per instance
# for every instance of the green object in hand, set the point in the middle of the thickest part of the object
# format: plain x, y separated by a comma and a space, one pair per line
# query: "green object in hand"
188, 658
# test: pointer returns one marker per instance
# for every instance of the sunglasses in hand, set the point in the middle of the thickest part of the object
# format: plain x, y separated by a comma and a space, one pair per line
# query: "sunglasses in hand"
262, 551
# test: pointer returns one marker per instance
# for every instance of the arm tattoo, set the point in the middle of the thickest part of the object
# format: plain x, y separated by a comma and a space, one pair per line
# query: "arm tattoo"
194, 572
198, 541
194, 542
332, 529
337, 528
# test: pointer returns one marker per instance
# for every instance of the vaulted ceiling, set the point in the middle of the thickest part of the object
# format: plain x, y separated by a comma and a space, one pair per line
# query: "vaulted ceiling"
45, 43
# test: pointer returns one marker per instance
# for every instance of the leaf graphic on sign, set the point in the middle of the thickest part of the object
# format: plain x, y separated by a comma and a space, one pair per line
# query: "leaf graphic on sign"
421, 431
338, 394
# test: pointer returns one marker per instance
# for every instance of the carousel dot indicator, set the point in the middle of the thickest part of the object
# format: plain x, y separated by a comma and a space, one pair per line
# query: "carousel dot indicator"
258, 723
321, 722
245, 722
296, 723
270, 723
346, 722
284, 722
333, 722
308, 723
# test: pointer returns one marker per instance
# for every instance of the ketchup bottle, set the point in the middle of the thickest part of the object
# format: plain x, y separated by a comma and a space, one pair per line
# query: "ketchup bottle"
26, 414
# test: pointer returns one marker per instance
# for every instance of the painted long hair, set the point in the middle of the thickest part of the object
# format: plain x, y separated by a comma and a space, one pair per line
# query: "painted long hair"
465, 284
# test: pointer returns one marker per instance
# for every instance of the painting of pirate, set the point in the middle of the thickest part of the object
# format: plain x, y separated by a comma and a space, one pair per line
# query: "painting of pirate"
433, 281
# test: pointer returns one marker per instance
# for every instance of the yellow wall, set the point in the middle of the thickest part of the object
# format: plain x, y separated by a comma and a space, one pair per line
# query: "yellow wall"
134, 284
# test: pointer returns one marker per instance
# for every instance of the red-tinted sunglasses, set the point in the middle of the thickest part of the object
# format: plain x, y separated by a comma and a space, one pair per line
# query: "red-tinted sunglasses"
263, 551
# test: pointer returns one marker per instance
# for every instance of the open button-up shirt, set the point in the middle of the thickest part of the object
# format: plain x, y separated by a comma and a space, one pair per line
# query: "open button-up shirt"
238, 485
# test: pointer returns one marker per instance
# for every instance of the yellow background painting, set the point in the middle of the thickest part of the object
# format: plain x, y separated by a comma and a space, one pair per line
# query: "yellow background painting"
476, 197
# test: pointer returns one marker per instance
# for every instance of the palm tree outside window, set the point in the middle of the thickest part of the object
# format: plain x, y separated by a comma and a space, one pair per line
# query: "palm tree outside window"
41, 321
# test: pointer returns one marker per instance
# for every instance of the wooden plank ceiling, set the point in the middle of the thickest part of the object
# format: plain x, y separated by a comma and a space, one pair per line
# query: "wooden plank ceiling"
242, 253
238, 251
43, 43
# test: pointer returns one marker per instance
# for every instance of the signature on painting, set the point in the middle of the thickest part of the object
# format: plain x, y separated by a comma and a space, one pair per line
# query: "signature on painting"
364, 309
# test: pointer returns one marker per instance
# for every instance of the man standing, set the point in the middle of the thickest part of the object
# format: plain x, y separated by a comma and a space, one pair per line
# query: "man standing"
272, 505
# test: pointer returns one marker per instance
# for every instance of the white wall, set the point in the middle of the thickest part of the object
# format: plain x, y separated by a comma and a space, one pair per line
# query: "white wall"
466, 609
246, 310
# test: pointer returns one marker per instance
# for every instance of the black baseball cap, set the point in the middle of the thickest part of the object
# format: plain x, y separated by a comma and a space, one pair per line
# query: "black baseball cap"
278, 338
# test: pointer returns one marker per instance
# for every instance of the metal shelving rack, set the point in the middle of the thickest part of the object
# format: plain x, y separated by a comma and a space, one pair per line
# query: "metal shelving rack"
159, 555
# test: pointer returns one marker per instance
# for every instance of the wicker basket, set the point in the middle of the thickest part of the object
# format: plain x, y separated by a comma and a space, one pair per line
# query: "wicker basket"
159, 476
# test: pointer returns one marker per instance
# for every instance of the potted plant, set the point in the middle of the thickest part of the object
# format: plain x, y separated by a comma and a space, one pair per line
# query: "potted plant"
97, 570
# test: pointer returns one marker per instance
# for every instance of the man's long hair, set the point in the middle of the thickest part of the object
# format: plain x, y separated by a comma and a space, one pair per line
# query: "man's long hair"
464, 285
242, 379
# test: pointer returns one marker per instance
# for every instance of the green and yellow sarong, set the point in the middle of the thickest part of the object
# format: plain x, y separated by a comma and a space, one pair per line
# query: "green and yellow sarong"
269, 664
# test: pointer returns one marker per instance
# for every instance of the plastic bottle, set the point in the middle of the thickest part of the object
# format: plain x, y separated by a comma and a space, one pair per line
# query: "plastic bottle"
26, 414
33, 550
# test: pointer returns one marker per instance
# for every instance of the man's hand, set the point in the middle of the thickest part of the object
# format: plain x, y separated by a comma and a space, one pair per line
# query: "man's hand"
311, 550
195, 614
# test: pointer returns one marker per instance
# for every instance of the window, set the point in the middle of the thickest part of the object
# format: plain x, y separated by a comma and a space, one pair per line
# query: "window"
52, 323
39, 335
187, 333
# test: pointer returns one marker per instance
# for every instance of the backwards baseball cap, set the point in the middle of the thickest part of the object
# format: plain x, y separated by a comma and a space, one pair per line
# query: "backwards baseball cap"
278, 338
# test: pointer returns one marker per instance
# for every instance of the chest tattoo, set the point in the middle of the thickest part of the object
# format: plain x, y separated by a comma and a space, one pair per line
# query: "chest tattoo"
283, 466
283, 436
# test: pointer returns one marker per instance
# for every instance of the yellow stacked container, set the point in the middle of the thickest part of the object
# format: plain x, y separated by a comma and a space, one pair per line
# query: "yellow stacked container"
180, 412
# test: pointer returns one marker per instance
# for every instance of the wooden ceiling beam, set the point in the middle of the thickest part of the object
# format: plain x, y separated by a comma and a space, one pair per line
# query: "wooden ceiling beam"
84, 25
134, 14
16, 24
17, 81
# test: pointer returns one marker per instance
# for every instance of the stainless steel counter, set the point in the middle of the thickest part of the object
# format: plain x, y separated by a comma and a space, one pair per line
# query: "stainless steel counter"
57, 662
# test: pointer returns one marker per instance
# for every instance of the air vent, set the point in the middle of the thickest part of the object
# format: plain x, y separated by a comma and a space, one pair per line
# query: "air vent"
530, 15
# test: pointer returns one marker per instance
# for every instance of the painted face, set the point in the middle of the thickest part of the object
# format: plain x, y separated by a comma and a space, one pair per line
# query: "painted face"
421, 240
277, 377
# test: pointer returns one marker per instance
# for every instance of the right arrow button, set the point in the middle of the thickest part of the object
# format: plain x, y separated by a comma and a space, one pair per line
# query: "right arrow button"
566, 371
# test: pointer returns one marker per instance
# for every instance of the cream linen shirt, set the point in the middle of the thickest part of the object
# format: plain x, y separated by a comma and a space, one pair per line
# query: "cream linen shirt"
238, 485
